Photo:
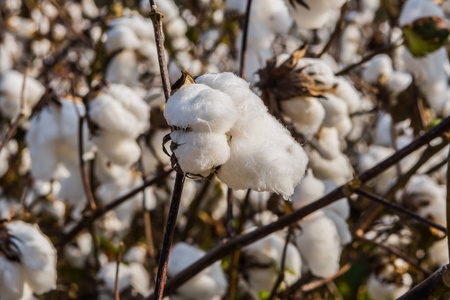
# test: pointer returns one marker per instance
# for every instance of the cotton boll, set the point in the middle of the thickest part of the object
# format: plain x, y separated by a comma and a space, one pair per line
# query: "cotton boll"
307, 114
309, 190
11, 89
320, 244
4, 163
379, 68
119, 150
275, 15
201, 109
321, 72
38, 256
316, 16
121, 37
340, 207
415, 9
438, 252
379, 289
382, 133
210, 283
135, 254
351, 40
344, 127
347, 92
374, 155
335, 110
266, 254
341, 226
399, 81
338, 170
258, 200
78, 254
435, 94
327, 142
12, 283
123, 68
255, 60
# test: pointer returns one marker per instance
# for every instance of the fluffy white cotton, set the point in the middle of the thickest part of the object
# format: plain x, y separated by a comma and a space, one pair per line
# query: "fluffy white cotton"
266, 254
307, 191
379, 289
351, 39
327, 142
335, 110
306, 112
200, 153
10, 90
201, 108
338, 170
123, 68
77, 254
38, 259
378, 69
347, 92
374, 155
415, 9
210, 283
320, 244
316, 15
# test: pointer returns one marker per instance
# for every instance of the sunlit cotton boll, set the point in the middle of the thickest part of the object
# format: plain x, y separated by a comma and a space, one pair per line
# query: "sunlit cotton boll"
264, 262
338, 170
123, 68
37, 269
11, 89
378, 69
207, 284
378, 288
316, 15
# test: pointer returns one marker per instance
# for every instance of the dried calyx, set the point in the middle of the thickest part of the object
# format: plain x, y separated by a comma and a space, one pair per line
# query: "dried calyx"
8, 247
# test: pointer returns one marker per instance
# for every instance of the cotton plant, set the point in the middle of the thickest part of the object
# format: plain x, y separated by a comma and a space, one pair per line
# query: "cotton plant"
263, 261
119, 116
219, 121
11, 82
10, 52
428, 69
311, 14
28, 263
209, 284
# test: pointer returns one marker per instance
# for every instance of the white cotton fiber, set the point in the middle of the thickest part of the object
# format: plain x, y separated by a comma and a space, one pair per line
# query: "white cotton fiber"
415, 9
200, 152
317, 15
380, 288
347, 92
399, 81
379, 67
121, 37
307, 114
119, 150
307, 191
320, 244
123, 68
338, 170
327, 142
335, 110
201, 108
341, 226
319, 70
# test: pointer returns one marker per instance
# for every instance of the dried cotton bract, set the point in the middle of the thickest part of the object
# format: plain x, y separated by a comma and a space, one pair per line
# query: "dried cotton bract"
219, 122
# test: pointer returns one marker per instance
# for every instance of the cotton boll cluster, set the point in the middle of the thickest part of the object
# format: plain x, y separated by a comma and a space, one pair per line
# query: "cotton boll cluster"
263, 260
311, 14
429, 71
11, 89
323, 233
391, 282
208, 284
219, 122
31, 267
121, 116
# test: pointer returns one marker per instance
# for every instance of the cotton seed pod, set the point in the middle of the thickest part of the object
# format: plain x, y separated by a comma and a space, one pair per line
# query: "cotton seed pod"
200, 152
201, 108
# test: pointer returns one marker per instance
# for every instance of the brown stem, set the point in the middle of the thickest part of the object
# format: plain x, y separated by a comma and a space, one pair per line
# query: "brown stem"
337, 30
244, 40
399, 209
433, 287
21, 115
116, 282
229, 219
88, 219
150, 244
280, 277
342, 191
448, 200
168, 236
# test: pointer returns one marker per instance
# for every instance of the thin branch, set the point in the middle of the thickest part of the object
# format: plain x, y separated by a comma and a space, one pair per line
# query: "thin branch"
433, 287
229, 219
88, 219
168, 236
399, 209
320, 282
282, 265
367, 58
448, 200
244, 40
116, 282
345, 190
337, 30
150, 244
21, 115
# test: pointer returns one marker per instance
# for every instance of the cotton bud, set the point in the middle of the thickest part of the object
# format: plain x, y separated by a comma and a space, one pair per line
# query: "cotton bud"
11, 89
264, 262
208, 284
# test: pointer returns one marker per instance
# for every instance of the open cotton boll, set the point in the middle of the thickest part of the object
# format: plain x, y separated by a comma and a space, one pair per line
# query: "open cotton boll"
317, 15
121, 37
335, 110
135, 254
123, 68
374, 155
379, 68
12, 283
378, 288
438, 252
347, 92
415, 9
117, 149
77, 255
435, 94
201, 108
274, 14
320, 244
208, 284
200, 153
307, 114
382, 135
340, 207
321, 72
38, 256
350, 44
307, 191
399, 81
341, 226
269, 161
10, 90
327, 142
266, 255
338, 170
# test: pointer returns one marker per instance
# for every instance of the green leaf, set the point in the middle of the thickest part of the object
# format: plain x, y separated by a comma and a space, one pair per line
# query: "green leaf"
263, 295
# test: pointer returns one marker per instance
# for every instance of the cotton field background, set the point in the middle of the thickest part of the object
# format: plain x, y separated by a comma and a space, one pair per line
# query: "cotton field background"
224, 149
